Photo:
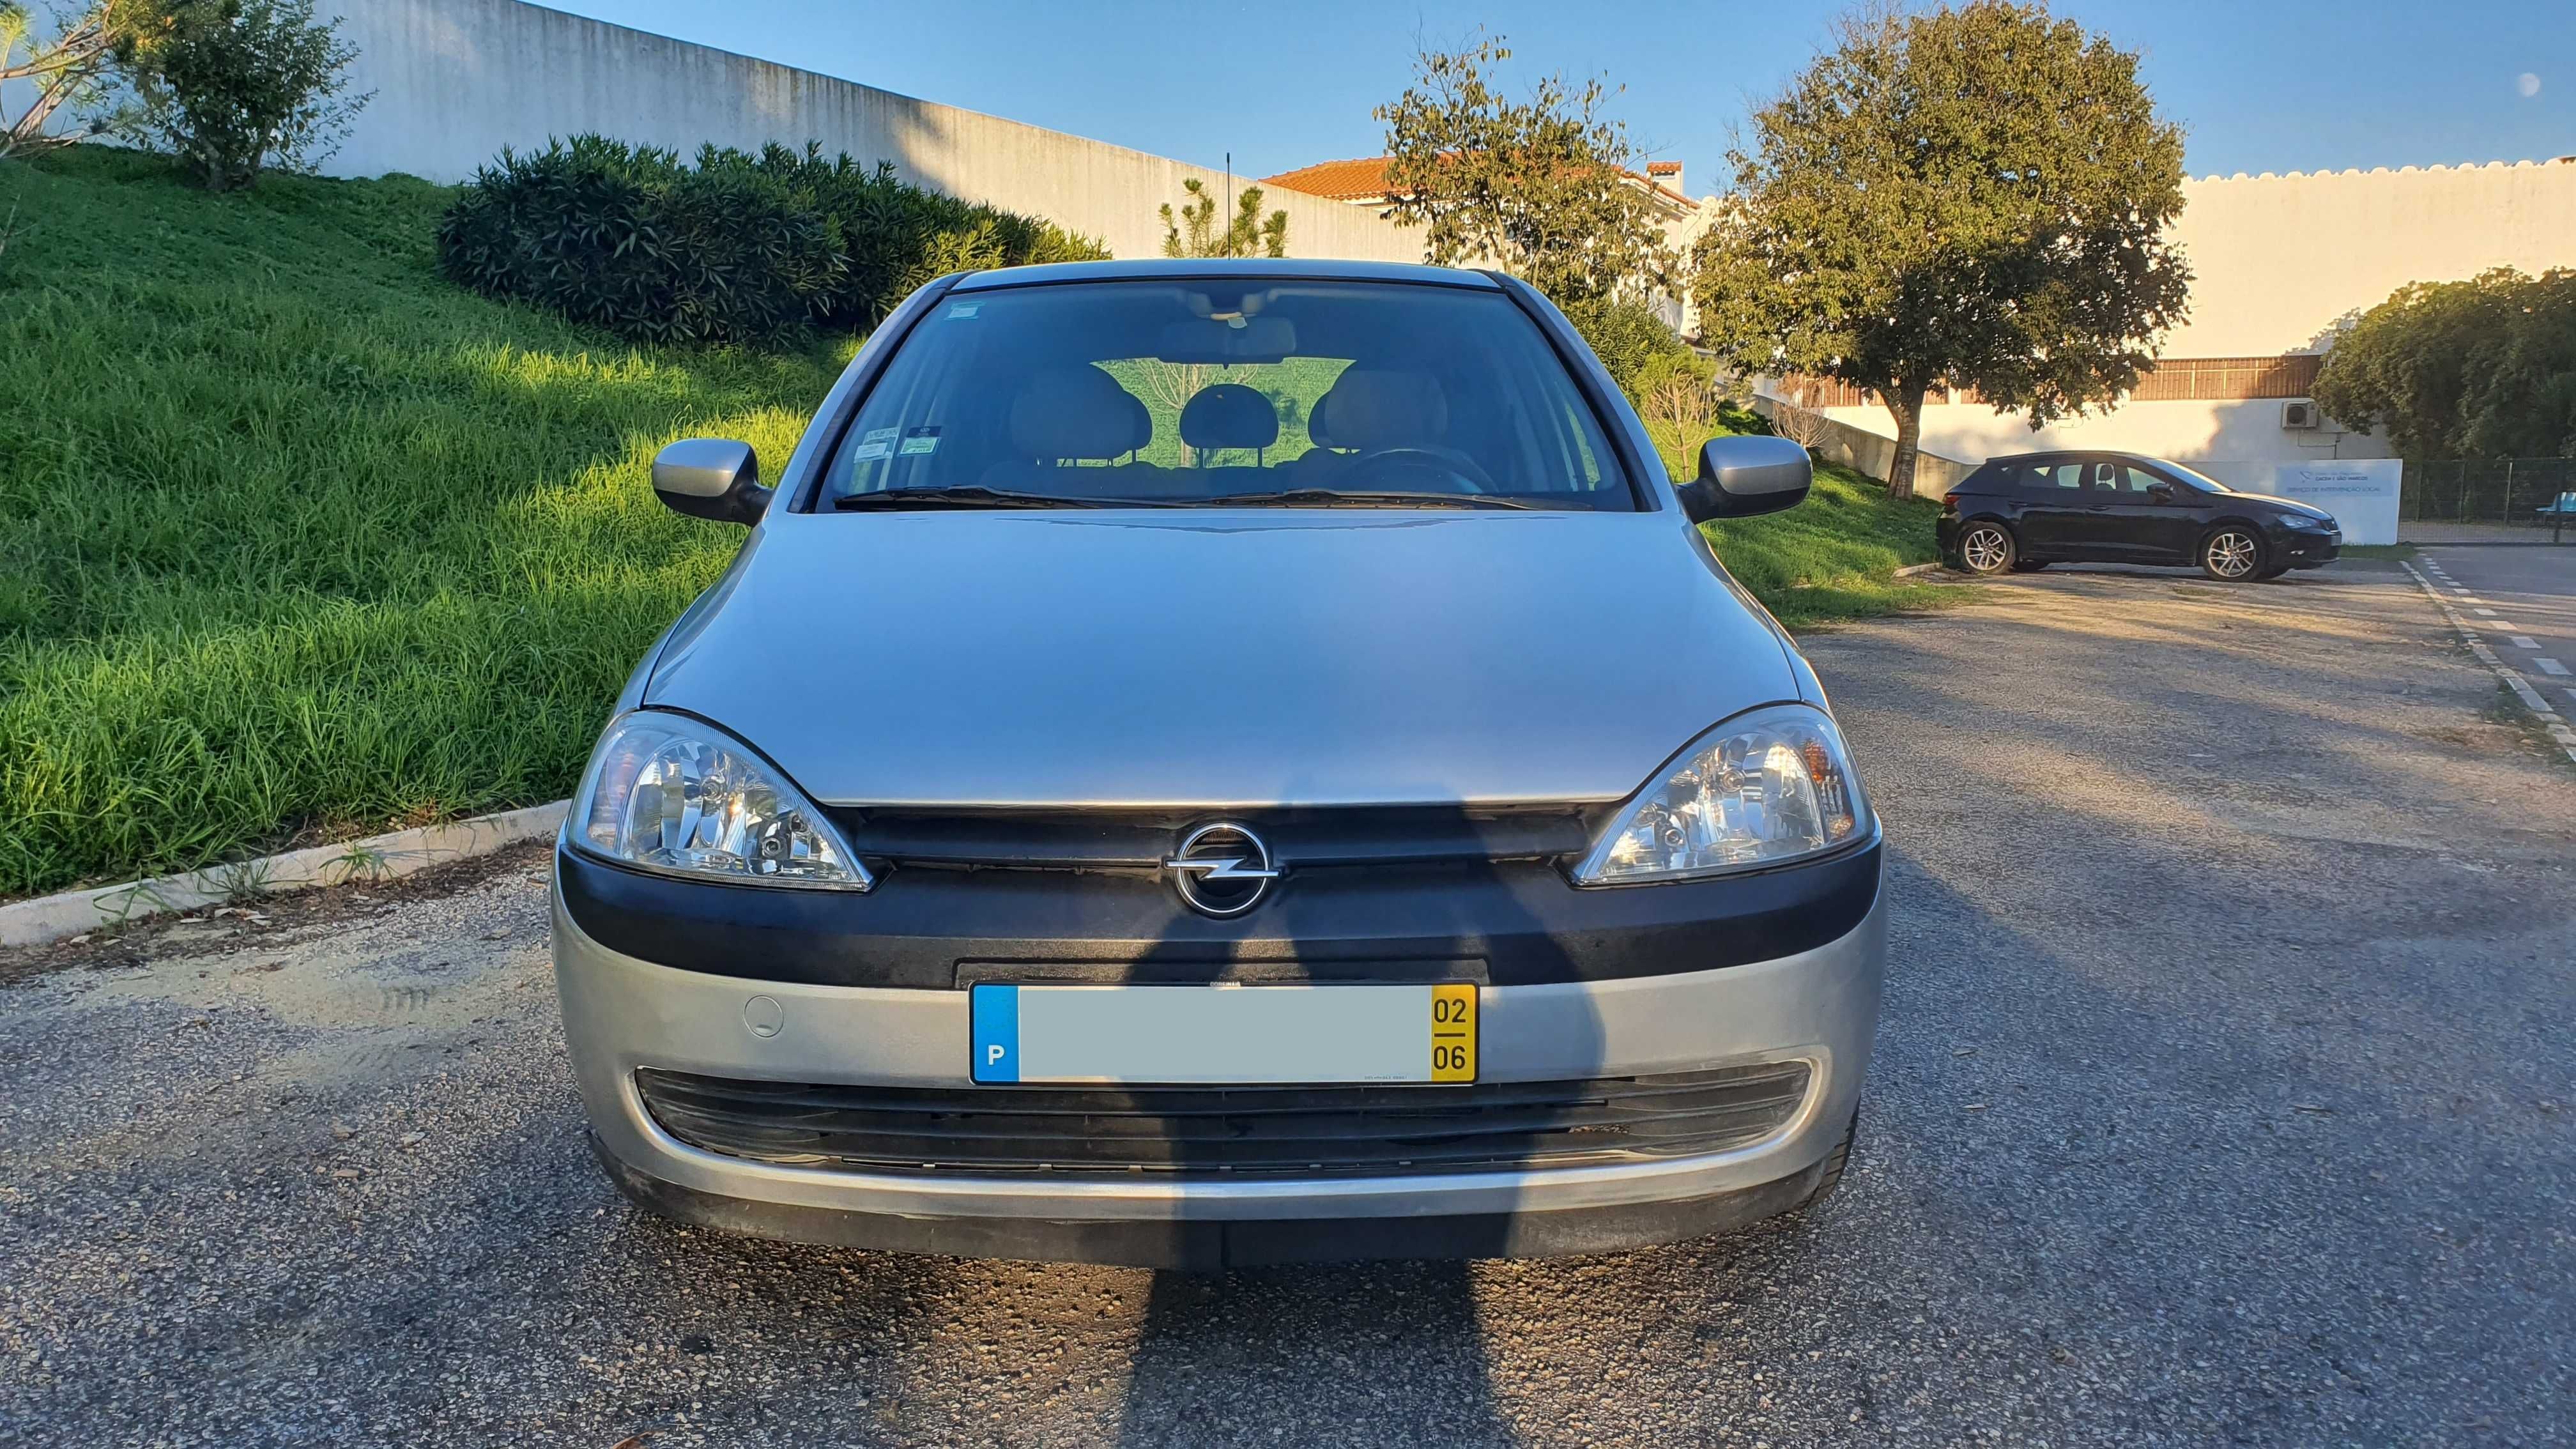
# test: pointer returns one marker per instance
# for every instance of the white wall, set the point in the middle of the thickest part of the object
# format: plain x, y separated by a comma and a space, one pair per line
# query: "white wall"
457, 80
2277, 259
2250, 429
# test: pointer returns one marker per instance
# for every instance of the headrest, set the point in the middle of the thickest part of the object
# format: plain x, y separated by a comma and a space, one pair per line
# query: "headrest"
1370, 408
1077, 412
1229, 415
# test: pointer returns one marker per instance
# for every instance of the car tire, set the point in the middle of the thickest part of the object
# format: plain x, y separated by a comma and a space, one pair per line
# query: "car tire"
2028, 565
1986, 547
2232, 553
1834, 1165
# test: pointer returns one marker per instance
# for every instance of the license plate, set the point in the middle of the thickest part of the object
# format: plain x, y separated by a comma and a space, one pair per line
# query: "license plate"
1173, 1035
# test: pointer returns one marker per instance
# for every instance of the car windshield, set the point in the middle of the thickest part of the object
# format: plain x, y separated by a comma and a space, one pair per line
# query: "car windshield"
1226, 392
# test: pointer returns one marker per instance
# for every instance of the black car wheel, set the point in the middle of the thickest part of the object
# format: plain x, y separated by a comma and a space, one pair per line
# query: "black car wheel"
2231, 553
1985, 548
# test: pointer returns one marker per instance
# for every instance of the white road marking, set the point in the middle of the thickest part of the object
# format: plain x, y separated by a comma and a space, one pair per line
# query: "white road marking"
2551, 666
2488, 613
2550, 719
2519, 641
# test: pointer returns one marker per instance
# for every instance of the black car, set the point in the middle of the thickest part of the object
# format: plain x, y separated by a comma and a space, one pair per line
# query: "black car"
2035, 509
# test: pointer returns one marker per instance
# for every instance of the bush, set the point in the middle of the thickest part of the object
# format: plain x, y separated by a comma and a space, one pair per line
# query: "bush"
1628, 338
629, 239
897, 236
231, 86
740, 247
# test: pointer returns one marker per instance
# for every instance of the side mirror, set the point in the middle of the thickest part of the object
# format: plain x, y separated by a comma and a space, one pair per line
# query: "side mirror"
715, 478
1739, 477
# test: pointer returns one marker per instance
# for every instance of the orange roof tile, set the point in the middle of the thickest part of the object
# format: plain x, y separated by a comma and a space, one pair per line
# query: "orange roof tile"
1361, 180
1364, 179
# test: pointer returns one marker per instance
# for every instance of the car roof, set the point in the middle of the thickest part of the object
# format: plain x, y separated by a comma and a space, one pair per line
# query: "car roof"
2059, 455
1285, 269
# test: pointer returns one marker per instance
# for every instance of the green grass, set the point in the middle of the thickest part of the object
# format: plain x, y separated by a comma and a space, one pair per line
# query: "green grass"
298, 541
1832, 557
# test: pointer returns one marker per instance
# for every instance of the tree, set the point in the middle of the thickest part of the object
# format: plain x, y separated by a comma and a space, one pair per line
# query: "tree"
238, 85
1194, 233
70, 73
1973, 196
1546, 188
2482, 368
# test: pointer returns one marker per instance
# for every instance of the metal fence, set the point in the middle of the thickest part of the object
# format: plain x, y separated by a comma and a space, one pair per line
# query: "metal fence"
2531, 491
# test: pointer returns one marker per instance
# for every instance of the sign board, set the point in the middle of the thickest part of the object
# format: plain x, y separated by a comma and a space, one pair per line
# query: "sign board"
2360, 492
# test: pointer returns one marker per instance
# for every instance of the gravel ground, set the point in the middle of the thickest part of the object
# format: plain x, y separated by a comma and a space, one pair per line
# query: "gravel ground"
2224, 1096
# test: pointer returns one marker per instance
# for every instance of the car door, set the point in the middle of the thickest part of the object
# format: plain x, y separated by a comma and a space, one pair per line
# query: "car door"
2158, 517
2056, 510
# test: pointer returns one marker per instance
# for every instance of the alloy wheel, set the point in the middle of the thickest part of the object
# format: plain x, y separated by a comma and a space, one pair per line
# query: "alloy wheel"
2230, 554
1985, 549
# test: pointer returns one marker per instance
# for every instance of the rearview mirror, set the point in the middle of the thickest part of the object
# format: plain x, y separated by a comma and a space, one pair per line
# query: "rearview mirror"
715, 478
1739, 477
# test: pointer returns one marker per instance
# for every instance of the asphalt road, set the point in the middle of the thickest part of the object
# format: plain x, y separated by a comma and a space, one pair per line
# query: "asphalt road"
2226, 1094
2523, 601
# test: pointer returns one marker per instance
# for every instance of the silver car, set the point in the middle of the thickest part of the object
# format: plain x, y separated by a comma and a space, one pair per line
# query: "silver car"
1207, 763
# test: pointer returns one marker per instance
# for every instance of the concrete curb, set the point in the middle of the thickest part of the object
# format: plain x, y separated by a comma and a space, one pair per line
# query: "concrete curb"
2550, 718
380, 857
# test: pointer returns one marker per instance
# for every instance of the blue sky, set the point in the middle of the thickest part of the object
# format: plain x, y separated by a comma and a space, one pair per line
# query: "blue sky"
2260, 85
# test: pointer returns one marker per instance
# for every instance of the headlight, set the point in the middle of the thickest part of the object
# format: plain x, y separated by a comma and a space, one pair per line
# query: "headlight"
671, 794
1760, 789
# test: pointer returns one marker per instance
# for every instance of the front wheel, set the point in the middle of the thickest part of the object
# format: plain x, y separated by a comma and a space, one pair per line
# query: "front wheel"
2231, 554
1986, 548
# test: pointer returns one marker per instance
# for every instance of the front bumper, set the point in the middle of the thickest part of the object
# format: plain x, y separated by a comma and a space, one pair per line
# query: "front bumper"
2300, 549
622, 1013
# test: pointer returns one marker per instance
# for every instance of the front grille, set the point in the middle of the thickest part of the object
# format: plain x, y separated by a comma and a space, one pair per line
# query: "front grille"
1218, 1131
1125, 839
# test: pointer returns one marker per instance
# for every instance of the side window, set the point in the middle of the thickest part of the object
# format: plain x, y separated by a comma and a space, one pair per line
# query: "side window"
2061, 477
2137, 484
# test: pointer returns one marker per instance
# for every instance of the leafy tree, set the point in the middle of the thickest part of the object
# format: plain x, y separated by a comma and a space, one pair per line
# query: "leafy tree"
2482, 368
70, 72
1975, 195
237, 85
1193, 233
1545, 188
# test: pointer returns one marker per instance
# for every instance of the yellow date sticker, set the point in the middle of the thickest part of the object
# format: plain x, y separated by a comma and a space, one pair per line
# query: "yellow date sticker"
1453, 1032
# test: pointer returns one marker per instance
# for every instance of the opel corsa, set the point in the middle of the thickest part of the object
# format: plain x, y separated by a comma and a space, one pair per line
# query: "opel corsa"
1203, 763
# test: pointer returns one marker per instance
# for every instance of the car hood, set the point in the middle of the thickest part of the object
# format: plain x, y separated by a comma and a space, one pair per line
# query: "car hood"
2290, 506
1218, 659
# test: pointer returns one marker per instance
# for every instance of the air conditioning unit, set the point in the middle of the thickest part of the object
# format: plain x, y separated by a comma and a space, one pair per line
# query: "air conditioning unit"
2299, 416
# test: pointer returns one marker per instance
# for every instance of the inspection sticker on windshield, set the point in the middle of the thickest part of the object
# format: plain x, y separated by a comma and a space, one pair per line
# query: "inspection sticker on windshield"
1223, 1034
868, 452
920, 440
964, 309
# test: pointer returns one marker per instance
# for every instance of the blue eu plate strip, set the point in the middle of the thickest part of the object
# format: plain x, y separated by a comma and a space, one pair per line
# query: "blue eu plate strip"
996, 1012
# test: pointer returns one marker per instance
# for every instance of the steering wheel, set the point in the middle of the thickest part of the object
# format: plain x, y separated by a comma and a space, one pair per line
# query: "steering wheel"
1448, 461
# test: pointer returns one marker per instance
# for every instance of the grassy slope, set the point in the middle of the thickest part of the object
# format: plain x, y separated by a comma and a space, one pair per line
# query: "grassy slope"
1831, 557
295, 538
297, 541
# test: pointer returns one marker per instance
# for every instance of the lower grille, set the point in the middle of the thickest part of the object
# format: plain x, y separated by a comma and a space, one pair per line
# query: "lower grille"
1218, 1131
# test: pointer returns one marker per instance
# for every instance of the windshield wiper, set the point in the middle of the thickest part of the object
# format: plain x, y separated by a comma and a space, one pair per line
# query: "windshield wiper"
972, 495
1335, 498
